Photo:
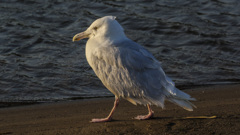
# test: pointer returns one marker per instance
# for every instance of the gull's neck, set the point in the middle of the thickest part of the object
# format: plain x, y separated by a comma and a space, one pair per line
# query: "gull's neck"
115, 35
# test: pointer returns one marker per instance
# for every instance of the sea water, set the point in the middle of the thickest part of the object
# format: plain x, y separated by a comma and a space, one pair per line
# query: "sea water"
197, 43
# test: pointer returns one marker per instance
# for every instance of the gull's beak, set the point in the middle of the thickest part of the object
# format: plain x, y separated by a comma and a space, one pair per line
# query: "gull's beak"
80, 36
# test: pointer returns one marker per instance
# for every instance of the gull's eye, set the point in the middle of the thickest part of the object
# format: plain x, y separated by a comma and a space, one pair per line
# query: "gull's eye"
95, 28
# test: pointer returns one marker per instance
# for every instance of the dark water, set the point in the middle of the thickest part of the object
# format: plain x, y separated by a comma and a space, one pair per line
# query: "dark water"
196, 41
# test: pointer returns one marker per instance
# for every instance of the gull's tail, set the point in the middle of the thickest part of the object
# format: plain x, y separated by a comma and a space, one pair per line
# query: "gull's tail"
182, 99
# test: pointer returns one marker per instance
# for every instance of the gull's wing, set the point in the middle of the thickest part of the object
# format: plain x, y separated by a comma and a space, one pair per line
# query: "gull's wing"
130, 71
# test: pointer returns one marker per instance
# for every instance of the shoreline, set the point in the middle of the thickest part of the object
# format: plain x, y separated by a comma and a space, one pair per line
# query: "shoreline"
72, 117
7, 104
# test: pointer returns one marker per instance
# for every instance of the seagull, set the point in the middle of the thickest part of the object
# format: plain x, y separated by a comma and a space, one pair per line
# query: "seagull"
127, 69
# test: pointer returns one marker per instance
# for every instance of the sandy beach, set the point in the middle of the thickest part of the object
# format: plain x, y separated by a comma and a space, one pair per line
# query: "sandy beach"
73, 117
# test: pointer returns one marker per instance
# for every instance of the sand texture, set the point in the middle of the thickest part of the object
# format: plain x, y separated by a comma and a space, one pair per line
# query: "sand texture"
72, 117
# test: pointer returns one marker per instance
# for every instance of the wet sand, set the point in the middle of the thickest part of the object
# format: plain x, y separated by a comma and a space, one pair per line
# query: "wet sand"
73, 117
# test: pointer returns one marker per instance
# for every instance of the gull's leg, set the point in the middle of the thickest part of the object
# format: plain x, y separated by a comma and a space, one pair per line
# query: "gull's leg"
109, 117
145, 117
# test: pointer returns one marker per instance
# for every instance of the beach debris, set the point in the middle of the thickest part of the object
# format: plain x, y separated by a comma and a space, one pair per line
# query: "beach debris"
200, 117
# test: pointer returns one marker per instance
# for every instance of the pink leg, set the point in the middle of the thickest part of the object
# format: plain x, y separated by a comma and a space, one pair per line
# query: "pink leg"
145, 117
109, 117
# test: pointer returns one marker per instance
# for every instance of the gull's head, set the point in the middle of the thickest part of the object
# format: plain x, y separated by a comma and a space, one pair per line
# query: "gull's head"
106, 27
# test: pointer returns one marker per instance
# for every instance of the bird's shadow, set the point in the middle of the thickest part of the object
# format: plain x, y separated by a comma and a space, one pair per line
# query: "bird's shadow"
159, 118
165, 118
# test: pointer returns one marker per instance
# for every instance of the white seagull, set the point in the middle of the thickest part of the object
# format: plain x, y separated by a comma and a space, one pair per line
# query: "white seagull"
127, 69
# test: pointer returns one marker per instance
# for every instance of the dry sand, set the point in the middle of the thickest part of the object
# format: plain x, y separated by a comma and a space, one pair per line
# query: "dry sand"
72, 118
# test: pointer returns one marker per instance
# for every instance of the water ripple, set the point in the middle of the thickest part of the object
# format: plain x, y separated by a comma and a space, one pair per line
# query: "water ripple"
196, 41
